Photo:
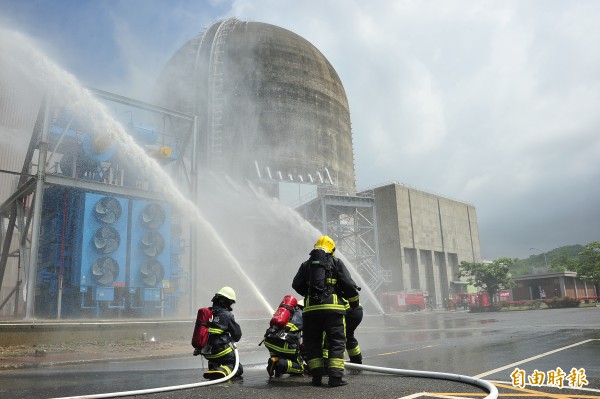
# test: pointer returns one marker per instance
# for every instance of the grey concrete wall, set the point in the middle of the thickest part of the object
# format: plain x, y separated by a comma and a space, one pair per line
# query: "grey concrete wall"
389, 234
441, 232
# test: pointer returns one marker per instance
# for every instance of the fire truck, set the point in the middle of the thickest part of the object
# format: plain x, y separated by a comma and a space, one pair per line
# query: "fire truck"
410, 301
480, 299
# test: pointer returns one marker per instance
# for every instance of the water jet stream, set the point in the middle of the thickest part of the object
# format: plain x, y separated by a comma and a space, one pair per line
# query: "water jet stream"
80, 101
266, 208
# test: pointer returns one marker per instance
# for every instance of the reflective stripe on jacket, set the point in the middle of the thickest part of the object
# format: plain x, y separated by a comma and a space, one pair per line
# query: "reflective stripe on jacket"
222, 330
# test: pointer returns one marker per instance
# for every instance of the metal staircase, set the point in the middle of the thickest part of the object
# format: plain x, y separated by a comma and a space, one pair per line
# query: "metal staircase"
351, 222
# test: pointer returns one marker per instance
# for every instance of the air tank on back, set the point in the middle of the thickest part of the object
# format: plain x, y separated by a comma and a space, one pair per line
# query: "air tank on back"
268, 103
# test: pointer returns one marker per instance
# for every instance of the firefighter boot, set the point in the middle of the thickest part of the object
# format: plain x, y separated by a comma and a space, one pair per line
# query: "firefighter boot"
214, 374
281, 367
271, 365
317, 380
356, 359
337, 382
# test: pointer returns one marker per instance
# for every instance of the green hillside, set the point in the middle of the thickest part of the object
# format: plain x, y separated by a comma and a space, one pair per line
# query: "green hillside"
559, 259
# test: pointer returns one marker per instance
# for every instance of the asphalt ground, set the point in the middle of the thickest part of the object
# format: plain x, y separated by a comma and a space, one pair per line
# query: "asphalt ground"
493, 346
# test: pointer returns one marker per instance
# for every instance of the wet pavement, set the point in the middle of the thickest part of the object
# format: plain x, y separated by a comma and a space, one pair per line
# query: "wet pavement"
499, 347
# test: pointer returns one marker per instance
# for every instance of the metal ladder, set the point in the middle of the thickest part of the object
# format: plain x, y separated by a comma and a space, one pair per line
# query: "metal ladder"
216, 94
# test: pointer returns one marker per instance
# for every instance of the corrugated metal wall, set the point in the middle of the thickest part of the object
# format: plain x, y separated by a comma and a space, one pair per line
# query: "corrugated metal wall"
19, 105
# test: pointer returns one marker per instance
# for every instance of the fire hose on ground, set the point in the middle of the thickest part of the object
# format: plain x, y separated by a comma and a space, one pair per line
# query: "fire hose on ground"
493, 391
163, 389
488, 386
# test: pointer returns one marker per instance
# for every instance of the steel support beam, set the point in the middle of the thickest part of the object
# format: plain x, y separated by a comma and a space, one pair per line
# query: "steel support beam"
11, 209
88, 185
351, 222
140, 104
7, 207
37, 214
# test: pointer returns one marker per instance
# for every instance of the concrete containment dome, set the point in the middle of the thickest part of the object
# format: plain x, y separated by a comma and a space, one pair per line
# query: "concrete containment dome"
268, 103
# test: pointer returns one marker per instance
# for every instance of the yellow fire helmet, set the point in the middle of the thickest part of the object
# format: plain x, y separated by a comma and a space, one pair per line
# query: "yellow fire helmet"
227, 292
165, 152
326, 244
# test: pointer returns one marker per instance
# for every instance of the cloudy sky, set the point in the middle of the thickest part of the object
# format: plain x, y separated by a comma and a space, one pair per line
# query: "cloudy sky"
494, 103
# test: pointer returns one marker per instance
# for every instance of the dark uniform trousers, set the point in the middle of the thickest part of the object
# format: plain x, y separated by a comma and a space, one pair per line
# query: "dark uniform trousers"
333, 325
222, 361
353, 319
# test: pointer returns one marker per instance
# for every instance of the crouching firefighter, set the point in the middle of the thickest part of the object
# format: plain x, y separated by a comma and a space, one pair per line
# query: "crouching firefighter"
223, 330
283, 339
324, 281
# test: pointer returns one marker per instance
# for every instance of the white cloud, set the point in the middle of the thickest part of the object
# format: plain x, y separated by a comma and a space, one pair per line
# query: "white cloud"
492, 102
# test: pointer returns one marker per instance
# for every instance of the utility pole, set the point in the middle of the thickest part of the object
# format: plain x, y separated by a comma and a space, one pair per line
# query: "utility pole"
543, 253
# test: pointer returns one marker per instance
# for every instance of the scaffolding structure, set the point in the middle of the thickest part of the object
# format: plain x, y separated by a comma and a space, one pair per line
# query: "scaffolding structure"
351, 221
22, 211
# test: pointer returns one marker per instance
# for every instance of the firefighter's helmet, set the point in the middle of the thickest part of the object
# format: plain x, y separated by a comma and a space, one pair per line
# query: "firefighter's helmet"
326, 244
228, 293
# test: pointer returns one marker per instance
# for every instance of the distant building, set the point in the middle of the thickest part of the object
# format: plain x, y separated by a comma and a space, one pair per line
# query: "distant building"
423, 238
553, 284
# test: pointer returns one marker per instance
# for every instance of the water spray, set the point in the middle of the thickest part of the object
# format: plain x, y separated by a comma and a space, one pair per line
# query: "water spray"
82, 102
116, 131
314, 232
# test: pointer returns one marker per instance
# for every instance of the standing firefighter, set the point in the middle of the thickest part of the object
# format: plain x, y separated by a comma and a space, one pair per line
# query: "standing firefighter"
321, 280
354, 316
223, 330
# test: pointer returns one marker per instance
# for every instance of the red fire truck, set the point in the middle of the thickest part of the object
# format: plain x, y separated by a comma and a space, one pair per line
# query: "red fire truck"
410, 301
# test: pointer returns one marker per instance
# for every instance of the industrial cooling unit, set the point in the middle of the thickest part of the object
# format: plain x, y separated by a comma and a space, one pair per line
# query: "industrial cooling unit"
100, 253
104, 245
150, 256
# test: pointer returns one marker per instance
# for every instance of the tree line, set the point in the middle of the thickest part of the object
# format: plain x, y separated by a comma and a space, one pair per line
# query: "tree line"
496, 276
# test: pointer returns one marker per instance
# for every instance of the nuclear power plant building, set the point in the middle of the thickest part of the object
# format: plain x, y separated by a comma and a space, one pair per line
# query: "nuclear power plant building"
268, 103
272, 107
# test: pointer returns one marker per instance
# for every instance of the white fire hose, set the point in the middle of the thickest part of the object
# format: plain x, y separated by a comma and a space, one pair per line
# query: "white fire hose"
493, 391
163, 389
488, 386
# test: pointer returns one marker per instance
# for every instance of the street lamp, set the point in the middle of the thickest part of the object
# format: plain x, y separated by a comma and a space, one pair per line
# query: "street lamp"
543, 253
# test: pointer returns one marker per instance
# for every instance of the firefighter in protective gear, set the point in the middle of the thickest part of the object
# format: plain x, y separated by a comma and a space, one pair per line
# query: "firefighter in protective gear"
223, 331
354, 316
324, 281
284, 346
